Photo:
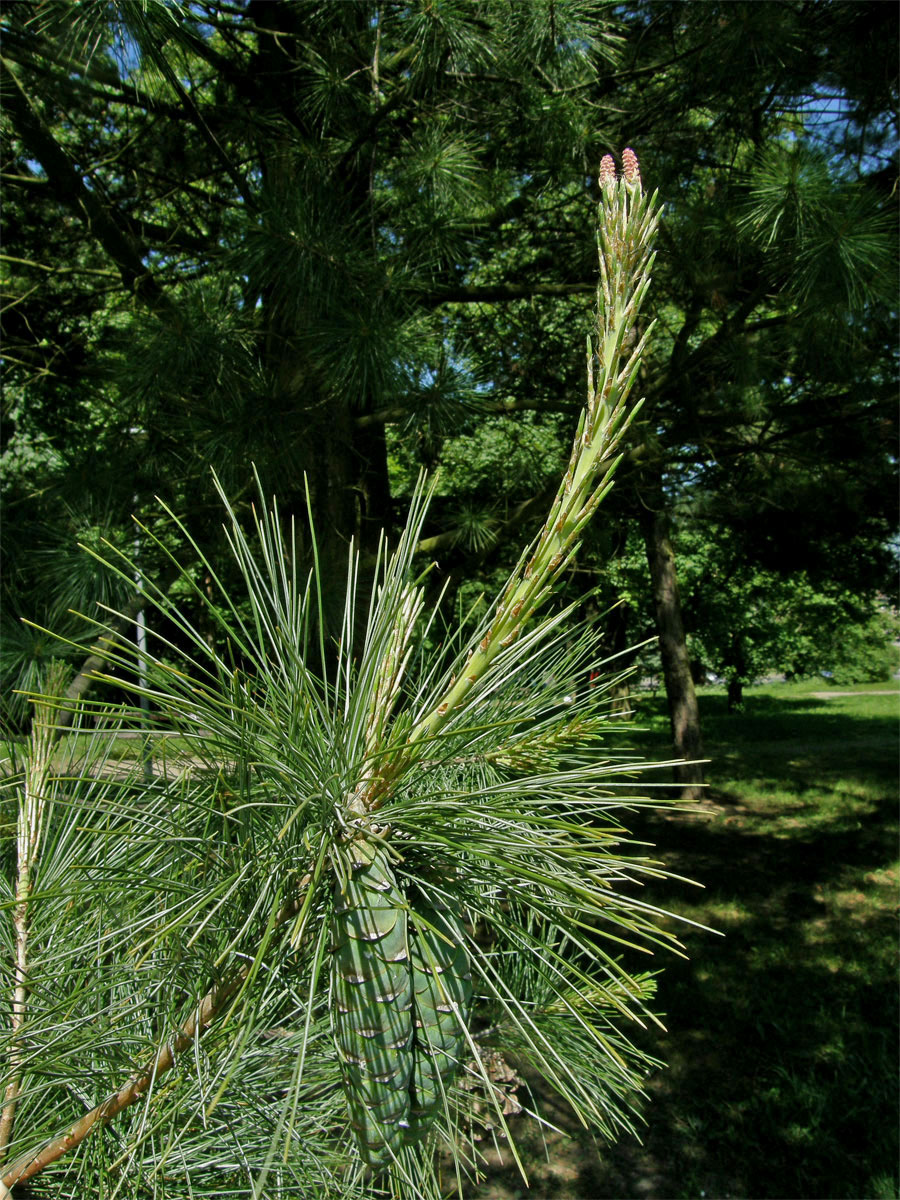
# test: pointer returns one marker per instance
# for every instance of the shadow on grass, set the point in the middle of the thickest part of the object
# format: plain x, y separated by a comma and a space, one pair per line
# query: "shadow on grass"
782, 1035
782, 1048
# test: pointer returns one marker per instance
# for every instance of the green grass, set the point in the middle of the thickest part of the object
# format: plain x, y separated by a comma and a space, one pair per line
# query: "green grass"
782, 1035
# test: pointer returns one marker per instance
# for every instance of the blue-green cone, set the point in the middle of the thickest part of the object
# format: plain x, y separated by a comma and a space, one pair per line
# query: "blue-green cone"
372, 1003
442, 987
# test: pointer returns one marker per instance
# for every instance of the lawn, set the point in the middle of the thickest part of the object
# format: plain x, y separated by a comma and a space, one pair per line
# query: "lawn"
782, 1034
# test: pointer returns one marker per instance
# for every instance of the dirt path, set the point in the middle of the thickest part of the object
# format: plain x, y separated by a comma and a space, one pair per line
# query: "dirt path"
837, 695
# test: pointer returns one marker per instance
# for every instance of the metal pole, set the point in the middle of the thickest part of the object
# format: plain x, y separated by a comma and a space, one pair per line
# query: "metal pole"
140, 625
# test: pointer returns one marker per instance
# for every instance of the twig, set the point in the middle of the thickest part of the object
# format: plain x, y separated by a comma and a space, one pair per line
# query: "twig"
206, 1012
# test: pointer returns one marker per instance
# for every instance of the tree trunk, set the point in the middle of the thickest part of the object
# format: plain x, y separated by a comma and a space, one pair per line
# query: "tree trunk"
374, 488
343, 468
736, 672
314, 464
682, 698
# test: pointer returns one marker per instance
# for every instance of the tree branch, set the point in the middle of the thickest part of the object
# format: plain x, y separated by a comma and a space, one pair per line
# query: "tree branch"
172, 237
399, 412
70, 189
210, 1007
343, 164
519, 515
197, 119
109, 89
29, 832
54, 270
196, 1025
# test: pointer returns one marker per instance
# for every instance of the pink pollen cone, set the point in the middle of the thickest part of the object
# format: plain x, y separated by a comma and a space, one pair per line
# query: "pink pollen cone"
607, 171
630, 167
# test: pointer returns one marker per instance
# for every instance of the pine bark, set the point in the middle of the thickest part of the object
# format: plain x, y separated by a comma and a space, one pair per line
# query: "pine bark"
684, 715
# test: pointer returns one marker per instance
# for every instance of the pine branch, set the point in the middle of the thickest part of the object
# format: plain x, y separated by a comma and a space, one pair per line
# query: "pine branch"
400, 412
206, 1012
54, 270
71, 190
521, 513
211, 1006
345, 162
197, 119
688, 363
627, 227
112, 90
358, 710
495, 292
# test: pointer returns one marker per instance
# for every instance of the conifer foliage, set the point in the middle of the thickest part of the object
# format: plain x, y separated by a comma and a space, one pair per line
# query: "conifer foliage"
379, 879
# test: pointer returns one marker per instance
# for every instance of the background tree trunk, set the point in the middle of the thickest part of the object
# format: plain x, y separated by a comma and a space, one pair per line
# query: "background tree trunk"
318, 454
735, 694
684, 714
737, 672
343, 466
